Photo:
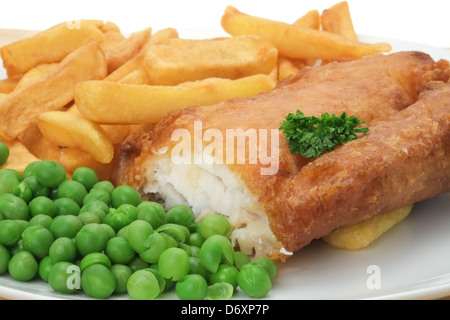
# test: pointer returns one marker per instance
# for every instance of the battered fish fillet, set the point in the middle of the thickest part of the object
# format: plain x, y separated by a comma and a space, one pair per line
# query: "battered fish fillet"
257, 191
403, 160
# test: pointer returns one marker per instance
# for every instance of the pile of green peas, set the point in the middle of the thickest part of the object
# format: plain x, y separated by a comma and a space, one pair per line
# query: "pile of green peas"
85, 234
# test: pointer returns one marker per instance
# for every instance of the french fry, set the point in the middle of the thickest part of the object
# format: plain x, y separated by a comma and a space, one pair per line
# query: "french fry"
337, 19
48, 46
109, 102
34, 141
137, 62
36, 74
310, 20
115, 133
66, 129
72, 158
364, 233
19, 156
9, 84
189, 60
20, 107
298, 42
119, 53
287, 67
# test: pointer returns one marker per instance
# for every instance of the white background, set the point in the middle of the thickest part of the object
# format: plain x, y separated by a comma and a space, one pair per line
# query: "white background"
418, 21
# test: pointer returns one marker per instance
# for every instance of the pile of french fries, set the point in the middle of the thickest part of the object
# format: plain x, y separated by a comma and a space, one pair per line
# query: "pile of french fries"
74, 92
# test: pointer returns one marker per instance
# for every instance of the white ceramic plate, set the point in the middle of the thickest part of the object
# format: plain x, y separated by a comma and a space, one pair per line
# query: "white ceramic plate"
410, 261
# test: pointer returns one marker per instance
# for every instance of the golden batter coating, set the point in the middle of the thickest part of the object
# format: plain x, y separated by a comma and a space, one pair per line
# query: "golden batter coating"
402, 160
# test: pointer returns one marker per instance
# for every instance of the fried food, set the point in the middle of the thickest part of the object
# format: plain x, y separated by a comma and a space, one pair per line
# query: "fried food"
22, 106
182, 60
109, 102
403, 160
298, 42
337, 19
373, 89
51, 45
70, 130
362, 234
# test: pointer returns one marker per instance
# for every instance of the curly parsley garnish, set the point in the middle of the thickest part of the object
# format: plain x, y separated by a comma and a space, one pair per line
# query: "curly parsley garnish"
312, 136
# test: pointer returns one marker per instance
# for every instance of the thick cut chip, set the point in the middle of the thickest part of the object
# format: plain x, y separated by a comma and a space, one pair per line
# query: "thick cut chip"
66, 129
48, 46
362, 234
310, 20
110, 102
19, 156
298, 42
337, 19
22, 106
120, 52
181, 60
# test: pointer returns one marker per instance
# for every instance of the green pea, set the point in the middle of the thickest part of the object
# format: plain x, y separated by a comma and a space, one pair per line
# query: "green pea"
191, 287
97, 194
122, 273
254, 280
5, 256
220, 291
63, 249
36, 187
268, 264
177, 231
23, 266
13, 207
91, 238
240, 259
87, 176
138, 264
23, 191
50, 173
30, 169
104, 185
41, 220
66, 206
138, 232
64, 277
42, 205
215, 250
10, 232
153, 213
45, 264
88, 217
4, 153
171, 242
94, 258
8, 181
109, 231
173, 264
196, 266
182, 215
196, 239
156, 245
98, 281
214, 224
119, 250
72, 189
143, 285
65, 226
225, 273
94, 206
37, 240
167, 283
125, 194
